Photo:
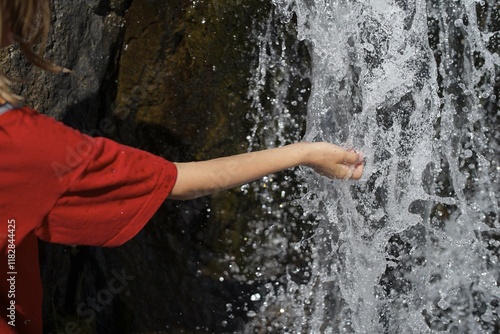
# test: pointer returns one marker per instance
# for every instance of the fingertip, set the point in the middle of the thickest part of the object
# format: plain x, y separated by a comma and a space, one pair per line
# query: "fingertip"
358, 172
361, 158
354, 157
357, 175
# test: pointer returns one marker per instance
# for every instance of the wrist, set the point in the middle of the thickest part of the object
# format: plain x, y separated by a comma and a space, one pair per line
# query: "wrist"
308, 153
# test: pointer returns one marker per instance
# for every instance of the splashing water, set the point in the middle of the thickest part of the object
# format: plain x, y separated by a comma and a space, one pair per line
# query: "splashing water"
413, 247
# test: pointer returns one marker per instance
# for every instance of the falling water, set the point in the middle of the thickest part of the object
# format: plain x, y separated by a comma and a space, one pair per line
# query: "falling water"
414, 246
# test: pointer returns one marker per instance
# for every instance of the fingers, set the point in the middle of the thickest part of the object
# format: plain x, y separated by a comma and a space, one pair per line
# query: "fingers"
356, 163
350, 172
358, 172
353, 158
333, 161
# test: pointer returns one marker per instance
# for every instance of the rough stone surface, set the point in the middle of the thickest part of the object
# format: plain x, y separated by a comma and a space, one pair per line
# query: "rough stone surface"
172, 76
83, 38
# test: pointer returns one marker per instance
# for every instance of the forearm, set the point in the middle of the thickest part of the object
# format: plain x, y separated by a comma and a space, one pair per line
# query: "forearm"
196, 179
202, 178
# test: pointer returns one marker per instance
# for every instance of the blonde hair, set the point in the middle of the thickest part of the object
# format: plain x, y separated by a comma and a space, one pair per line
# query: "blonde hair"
27, 23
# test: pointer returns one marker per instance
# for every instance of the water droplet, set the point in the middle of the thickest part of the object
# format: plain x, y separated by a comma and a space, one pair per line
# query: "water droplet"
443, 304
255, 297
251, 314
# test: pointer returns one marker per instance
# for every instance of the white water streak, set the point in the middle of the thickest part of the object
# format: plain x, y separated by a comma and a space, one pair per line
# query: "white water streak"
413, 247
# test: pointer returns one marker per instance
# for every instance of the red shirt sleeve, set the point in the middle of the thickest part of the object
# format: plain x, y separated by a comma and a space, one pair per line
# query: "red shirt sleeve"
110, 191
63, 186
112, 199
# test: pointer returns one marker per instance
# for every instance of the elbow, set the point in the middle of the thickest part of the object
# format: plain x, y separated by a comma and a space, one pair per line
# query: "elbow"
180, 193
181, 196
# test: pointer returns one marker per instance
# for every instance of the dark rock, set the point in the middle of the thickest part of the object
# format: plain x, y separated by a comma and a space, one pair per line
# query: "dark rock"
172, 76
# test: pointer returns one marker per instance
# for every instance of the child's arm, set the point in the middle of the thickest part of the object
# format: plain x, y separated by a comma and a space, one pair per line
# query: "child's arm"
202, 178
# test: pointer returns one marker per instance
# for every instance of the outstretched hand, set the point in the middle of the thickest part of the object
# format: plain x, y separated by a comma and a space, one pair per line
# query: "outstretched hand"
195, 179
333, 161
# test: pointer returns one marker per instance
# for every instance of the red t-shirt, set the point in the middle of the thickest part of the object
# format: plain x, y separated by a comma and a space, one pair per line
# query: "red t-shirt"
62, 186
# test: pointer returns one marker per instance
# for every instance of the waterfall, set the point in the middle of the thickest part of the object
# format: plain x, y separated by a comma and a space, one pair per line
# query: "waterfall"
413, 247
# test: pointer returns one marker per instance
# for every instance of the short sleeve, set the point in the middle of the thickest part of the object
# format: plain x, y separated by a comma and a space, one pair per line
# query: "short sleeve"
116, 192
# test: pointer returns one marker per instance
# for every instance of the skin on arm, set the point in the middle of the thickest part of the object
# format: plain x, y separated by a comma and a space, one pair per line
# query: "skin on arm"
196, 179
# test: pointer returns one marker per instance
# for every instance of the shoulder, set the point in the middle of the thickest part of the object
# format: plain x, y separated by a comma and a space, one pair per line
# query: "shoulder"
27, 127
38, 143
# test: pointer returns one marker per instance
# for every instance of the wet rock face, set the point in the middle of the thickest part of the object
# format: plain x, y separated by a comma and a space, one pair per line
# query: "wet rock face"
83, 38
172, 77
184, 67
181, 93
